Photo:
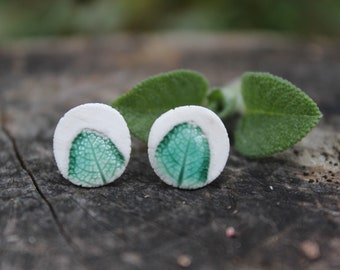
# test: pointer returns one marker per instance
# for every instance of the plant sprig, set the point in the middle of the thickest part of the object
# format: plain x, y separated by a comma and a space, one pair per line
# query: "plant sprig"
275, 114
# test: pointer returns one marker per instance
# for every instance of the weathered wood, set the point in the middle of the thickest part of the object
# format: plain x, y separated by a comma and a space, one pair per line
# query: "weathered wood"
275, 204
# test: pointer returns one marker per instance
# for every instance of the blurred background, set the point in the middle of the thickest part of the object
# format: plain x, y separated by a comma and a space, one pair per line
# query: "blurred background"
37, 18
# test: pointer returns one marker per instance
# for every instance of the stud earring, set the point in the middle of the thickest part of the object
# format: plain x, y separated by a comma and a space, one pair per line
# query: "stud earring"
92, 145
188, 147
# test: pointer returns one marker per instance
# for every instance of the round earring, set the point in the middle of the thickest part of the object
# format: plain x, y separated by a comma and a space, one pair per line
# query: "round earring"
188, 147
92, 145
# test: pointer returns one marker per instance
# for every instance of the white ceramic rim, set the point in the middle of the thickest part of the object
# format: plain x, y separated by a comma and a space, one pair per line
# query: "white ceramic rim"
99, 117
212, 127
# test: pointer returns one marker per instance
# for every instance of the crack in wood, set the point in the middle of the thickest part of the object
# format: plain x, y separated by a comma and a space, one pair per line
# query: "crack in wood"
23, 165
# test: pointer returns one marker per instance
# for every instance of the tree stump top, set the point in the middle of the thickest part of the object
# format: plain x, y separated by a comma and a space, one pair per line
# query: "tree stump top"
281, 212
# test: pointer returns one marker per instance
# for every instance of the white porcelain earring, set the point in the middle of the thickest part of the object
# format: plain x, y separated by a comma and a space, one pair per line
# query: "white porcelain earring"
188, 147
92, 145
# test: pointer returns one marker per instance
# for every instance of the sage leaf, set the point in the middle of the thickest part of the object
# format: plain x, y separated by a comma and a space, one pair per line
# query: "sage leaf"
93, 159
145, 102
277, 115
184, 156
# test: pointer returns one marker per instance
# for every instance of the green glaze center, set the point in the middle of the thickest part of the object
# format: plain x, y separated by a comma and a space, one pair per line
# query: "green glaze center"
183, 156
94, 159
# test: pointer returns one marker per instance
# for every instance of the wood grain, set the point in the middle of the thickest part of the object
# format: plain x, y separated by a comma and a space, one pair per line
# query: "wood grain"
282, 208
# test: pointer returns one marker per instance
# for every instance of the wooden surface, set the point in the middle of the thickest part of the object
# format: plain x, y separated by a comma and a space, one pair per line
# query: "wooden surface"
285, 209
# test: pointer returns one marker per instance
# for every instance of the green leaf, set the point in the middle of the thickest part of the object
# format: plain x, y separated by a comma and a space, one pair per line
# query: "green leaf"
183, 155
93, 160
277, 116
156, 95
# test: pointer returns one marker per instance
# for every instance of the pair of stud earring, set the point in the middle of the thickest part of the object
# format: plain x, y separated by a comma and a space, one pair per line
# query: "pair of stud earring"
188, 146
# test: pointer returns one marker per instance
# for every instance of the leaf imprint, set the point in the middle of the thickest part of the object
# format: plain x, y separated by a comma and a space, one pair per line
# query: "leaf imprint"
184, 155
94, 159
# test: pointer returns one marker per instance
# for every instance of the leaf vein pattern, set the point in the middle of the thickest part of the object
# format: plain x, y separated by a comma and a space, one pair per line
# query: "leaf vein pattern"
93, 159
184, 155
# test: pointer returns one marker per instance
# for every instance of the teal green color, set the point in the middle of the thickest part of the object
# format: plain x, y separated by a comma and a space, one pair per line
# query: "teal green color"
158, 94
93, 159
184, 156
277, 115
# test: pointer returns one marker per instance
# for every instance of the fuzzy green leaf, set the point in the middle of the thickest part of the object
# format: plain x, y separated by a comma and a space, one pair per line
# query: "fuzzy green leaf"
184, 156
277, 116
156, 95
93, 160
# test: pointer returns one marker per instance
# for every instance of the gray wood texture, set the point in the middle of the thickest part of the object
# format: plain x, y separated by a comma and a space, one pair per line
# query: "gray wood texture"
285, 209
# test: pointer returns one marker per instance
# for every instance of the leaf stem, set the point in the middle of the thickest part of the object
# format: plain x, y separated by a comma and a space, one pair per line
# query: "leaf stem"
227, 100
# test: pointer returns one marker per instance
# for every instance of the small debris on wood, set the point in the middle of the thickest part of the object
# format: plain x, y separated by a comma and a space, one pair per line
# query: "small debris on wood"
184, 261
310, 249
32, 240
132, 258
207, 195
230, 232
